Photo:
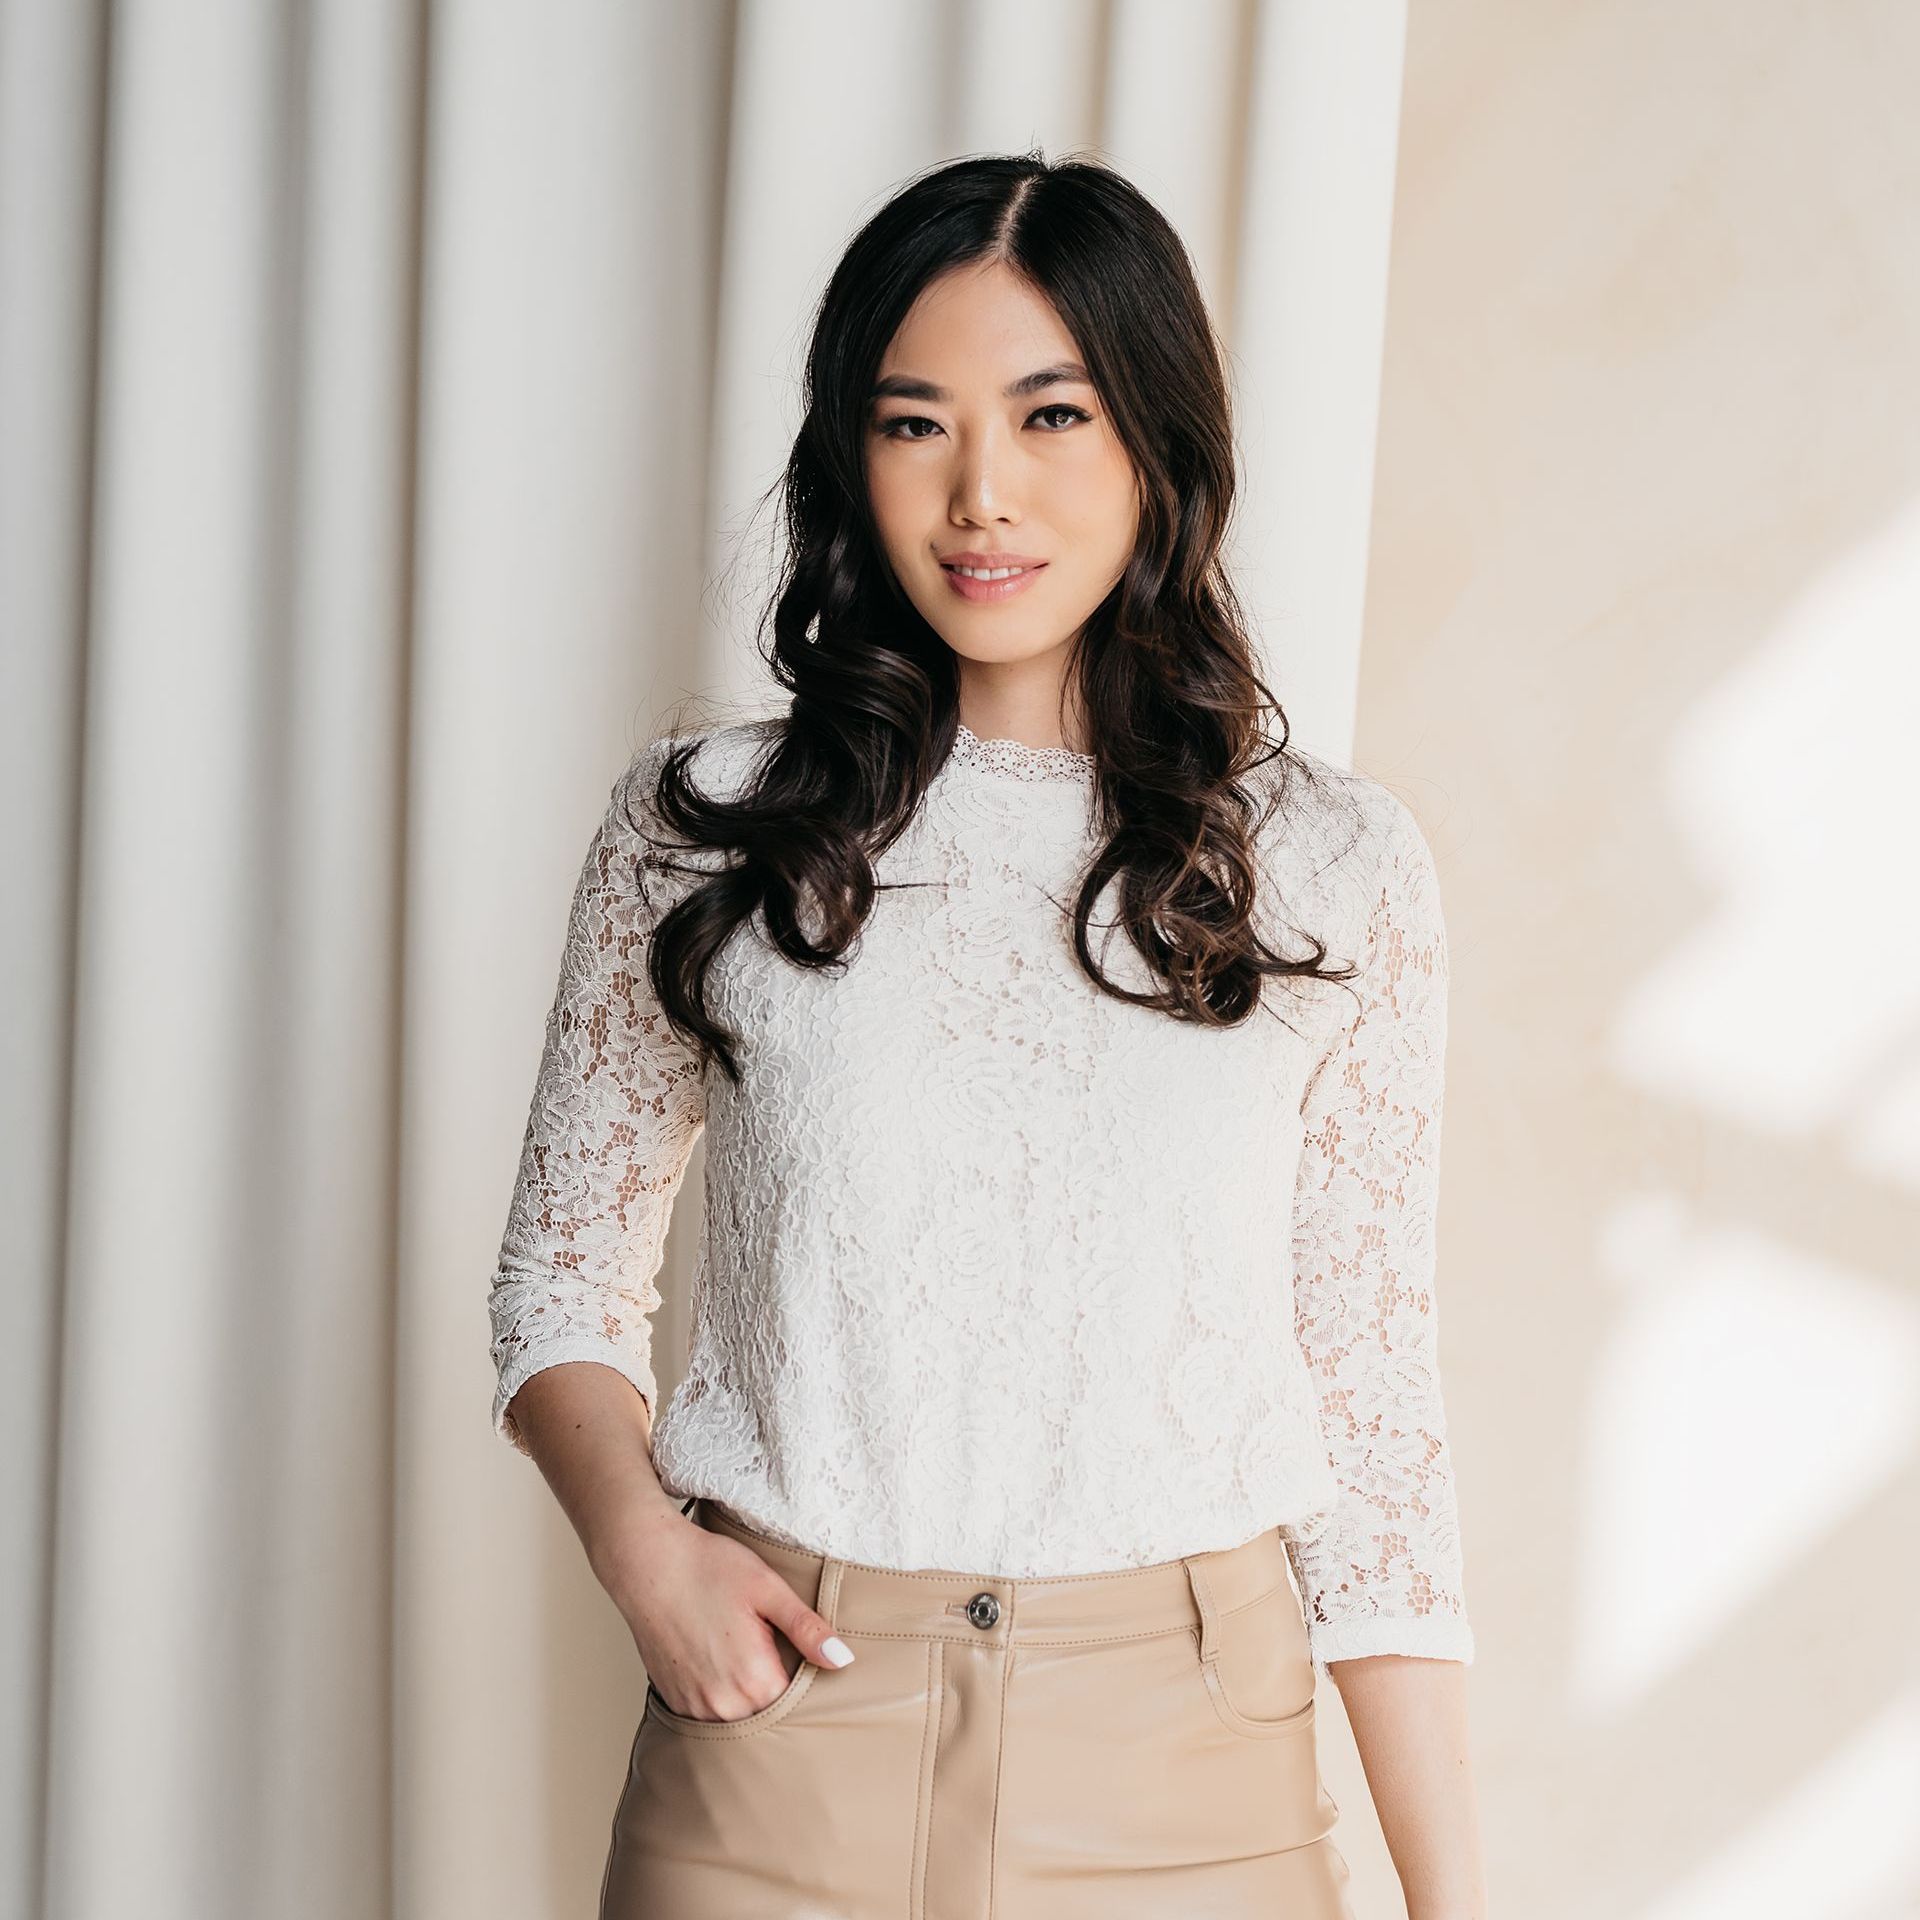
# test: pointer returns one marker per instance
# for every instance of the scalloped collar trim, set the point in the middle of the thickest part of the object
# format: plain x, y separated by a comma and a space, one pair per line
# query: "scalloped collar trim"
1012, 759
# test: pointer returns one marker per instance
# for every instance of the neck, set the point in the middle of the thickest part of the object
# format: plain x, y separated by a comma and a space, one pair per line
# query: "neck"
1036, 717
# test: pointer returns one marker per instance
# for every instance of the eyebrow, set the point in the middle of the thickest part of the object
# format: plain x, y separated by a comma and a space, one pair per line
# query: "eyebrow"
903, 386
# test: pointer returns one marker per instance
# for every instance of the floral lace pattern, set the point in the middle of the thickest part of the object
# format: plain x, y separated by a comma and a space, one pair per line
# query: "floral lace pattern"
1000, 1273
1018, 761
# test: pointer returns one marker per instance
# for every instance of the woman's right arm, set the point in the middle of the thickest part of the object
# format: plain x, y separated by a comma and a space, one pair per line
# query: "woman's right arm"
617, 1106
591, 1437
693, 1600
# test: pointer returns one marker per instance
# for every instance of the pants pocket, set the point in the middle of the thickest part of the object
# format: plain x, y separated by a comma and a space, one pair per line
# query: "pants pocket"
1261, 1678
776, 1710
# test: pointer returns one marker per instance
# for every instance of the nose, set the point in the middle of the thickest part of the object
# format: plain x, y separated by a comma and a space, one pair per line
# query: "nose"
983, 481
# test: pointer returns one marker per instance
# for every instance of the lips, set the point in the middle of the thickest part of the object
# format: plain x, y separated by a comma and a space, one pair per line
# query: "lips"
981, 592
991, 560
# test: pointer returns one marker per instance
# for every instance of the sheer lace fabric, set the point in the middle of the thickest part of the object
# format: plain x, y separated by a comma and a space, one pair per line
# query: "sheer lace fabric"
999, 1273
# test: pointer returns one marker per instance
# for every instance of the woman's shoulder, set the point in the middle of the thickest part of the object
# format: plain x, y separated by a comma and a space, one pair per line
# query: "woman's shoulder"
1335, 838
722, 758
1328, 810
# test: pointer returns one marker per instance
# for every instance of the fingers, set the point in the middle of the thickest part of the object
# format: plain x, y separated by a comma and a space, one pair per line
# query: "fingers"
811, 1632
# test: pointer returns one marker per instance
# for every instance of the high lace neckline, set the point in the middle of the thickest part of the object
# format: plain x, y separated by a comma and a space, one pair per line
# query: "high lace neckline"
1015, 760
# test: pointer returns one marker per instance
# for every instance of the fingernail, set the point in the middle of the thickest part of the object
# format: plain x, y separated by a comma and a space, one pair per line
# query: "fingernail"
836, 1650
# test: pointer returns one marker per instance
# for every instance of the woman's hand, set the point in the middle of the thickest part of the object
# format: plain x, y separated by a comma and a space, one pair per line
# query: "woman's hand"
718, 1631
705, 1611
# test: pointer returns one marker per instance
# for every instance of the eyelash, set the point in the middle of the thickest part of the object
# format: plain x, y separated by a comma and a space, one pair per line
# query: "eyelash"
888, 429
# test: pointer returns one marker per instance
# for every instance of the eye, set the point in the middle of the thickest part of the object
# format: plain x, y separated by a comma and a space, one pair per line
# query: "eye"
895, 427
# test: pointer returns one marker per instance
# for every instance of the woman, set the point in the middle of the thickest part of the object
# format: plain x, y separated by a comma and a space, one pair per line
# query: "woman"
1062, 1377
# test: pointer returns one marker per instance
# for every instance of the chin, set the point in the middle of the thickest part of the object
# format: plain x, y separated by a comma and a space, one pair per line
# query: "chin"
997, 649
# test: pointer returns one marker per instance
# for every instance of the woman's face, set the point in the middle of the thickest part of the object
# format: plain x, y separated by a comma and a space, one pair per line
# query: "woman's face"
986, 444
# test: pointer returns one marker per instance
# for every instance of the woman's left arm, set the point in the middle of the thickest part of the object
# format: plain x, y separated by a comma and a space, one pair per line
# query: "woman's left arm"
1409, 1720
1381, 1577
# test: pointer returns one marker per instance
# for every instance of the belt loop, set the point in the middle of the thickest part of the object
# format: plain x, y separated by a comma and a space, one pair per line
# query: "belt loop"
828, 1600
1203, 1599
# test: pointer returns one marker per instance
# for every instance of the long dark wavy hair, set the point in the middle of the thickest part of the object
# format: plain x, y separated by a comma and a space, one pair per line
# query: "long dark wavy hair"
1164, 667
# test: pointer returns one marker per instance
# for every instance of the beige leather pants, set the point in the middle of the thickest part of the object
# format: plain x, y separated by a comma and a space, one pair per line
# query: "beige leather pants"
1115, 1746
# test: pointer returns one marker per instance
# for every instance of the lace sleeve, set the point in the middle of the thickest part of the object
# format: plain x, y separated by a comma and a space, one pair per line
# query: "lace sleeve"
617, 1106
1383, 1575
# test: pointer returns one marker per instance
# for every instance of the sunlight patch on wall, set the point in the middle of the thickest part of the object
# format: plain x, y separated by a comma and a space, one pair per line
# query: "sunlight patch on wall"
1746, 1395
1791, 785
1842, 1844
1883, 1138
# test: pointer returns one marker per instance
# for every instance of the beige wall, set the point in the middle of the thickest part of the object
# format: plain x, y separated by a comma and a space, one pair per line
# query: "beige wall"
1640, 650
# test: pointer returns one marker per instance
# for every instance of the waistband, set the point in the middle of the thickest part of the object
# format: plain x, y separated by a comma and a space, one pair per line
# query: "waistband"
1194, 1591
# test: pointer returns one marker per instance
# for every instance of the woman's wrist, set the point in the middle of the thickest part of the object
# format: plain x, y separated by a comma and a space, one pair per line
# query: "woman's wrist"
632, 1535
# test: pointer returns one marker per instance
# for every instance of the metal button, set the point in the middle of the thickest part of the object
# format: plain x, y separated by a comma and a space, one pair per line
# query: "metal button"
983, 1609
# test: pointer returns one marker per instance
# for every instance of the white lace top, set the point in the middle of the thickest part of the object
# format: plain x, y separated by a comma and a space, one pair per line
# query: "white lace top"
1000, 1273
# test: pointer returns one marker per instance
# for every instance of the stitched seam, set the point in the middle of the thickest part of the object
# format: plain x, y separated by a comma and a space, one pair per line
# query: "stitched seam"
1248, 1728
939, 1735
1266, 1593
949, 1576
923, 1794
999, 1774
746, 1728
1230, 1716
974, 1639
1107, 1639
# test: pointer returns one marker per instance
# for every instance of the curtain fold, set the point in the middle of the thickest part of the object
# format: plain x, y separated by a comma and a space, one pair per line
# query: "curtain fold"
52, 89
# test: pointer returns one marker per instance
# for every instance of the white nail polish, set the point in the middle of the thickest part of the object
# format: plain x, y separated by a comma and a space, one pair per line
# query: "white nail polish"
836, 1650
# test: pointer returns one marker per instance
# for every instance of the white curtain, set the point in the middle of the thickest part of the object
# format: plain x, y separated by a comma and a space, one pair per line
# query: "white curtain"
383, 392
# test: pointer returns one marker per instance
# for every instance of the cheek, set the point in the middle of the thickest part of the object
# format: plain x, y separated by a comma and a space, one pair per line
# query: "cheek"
1100, 500
898, 505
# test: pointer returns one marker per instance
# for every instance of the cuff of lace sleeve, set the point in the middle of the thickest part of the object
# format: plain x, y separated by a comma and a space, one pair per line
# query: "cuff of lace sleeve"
528, 1361
1430, 1636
